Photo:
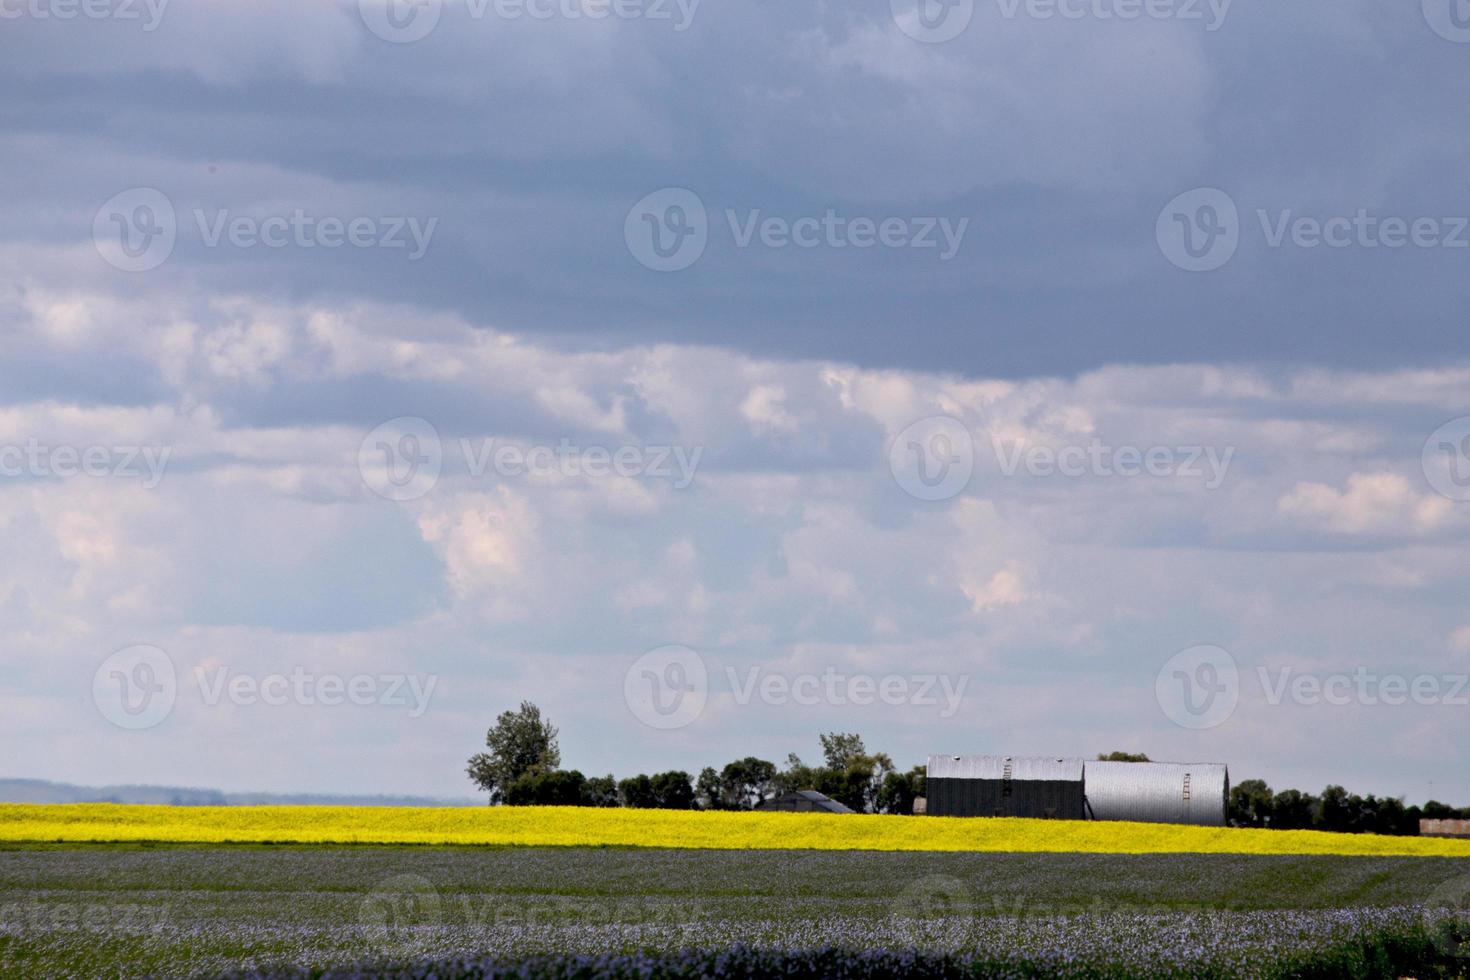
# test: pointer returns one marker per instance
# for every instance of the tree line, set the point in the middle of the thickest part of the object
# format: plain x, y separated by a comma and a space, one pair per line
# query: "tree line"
522, 767
1255, 804
1252, 803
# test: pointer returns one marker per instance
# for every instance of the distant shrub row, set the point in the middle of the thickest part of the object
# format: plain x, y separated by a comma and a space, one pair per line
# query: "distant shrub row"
1254, 804
522, 767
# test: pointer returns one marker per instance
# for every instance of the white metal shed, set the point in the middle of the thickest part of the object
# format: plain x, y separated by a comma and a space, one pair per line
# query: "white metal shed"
1158, 792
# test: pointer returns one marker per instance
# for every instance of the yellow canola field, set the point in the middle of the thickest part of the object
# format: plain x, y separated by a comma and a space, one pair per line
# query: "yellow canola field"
586, 827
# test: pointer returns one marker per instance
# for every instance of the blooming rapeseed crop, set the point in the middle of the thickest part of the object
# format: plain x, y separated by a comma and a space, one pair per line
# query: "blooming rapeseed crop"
575, 826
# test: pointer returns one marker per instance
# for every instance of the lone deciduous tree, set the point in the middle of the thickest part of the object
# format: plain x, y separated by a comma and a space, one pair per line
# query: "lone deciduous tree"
745, 783
852, 775
521, 743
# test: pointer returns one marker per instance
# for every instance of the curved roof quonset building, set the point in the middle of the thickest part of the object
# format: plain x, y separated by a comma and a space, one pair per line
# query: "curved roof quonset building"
1158, 792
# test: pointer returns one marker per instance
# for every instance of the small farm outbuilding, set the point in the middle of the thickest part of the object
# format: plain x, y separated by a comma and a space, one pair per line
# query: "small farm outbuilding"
804, 801
1444, 828
1158, 792
1004, 786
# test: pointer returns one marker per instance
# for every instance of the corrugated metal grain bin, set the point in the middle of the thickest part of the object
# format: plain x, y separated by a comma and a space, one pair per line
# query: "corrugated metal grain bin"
1004, 786
1158, 792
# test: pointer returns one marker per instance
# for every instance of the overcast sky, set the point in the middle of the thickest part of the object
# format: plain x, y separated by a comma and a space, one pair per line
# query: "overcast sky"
1047, 376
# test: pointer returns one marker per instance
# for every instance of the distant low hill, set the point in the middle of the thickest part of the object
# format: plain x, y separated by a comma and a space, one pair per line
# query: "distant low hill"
43, 791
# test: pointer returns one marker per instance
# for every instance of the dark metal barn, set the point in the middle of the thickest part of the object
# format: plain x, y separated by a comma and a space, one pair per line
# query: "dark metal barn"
1004, 786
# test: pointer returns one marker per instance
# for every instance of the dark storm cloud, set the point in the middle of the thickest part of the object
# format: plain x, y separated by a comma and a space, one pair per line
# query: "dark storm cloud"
1060, 141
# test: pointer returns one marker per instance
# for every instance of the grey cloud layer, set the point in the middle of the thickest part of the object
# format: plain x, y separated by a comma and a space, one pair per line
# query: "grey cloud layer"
530, 139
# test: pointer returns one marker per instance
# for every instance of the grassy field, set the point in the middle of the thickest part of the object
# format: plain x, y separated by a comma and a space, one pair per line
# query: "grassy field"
132, 891
171, 910
584, 827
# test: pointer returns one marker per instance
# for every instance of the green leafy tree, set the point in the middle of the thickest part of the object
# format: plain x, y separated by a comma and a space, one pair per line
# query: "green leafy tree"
852, 776
709, 790
1250, 804
1292, 809
1123, 757
745, 783
636, 792
672, 790
796, 776
556, 788
1335, 810
1435, 810
520, 743
899, 790
600, 791
841, 749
